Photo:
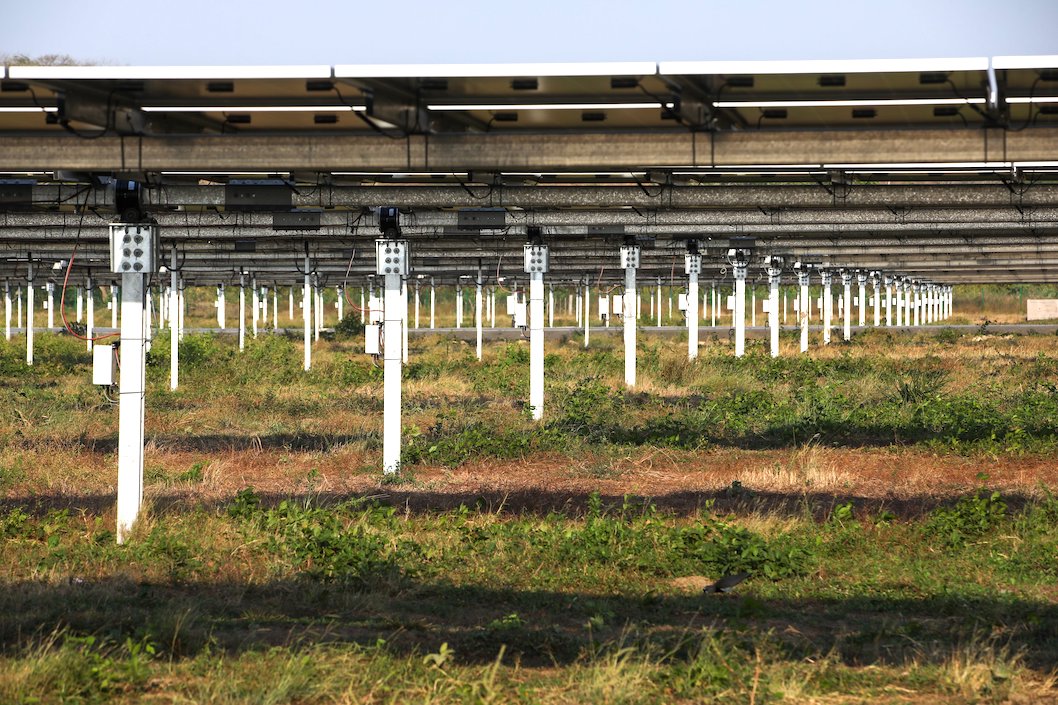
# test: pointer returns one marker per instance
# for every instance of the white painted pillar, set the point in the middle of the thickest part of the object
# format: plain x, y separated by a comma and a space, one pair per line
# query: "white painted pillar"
264, 306
394, 314
909, 303
888, 280
459, 305
242, 312
114, 306
90, 314
693, 267
536, 264
306, 312
826, 279
861, 280
550, 305
50, 288
877, 300
917, 304
586, 312
802, 308
317, 310
714, 296
658, 307
29, 317
79, 304
753, 306
417, 302
577, 305
7, 310
275, 307
491, 299
774, 274
221, 308
628, 317
404, 319
478, 312
180, 311
174, 333
846, 313
290, 303
433, 304
739, 272
131, 393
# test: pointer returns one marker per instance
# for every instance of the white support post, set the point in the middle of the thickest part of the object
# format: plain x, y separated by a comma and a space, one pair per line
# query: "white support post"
861, 279
306, 312
404, 320
221, 307
90, 313
550, 305
79, 293
826, 279
417, 302
846, 313
459, 306
275, 307
714, 295
658, 303
753, 306
630, 263
586, 311
784, 306
917, 304
114, 306
876, 282
898, 288
536, 265
577, 307
264, 306
909, 303
802, 308
478, 313
888, 280
492, 306
693, 267
740, 309
774, 267
317, 309
7, 310
50, 288
29, 317
174, 333
180, 312
392, 261
132, 391
433, 304
290, 303
242, 312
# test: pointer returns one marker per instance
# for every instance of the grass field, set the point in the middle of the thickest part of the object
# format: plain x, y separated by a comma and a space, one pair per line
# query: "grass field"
891, 500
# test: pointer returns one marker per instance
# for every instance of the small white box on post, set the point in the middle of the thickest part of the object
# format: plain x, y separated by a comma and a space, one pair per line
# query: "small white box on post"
104, 366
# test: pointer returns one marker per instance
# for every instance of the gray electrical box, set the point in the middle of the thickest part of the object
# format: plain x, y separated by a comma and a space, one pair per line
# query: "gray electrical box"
133, 248
258, 195
296, 220
481, 218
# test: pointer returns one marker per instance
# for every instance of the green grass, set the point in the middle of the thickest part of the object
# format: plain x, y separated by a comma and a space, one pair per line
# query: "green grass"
305, 595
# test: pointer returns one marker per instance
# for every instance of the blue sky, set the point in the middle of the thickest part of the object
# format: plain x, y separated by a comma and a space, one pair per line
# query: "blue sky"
417, 31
